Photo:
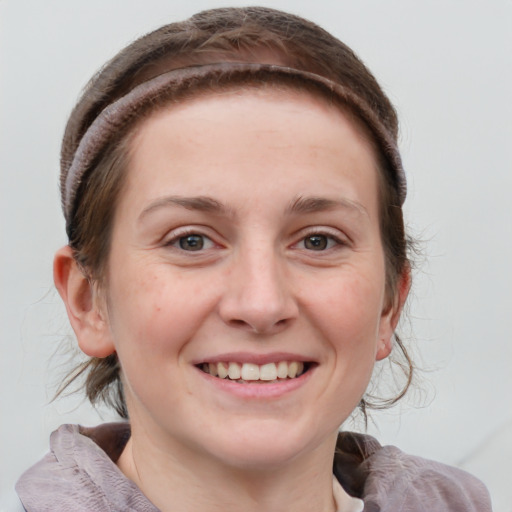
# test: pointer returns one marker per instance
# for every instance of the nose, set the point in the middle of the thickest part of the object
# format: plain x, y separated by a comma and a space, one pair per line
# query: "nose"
258, 294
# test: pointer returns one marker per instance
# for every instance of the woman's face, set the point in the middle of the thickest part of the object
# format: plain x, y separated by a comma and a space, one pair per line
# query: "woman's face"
247, 241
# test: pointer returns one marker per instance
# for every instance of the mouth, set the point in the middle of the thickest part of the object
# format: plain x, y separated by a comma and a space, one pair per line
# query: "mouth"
245, 373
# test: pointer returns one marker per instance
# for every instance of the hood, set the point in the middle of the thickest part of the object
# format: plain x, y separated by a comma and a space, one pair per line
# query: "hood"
388, 480
79, 473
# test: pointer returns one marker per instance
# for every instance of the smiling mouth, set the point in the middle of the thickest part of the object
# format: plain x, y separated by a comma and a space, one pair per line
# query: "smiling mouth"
255, 373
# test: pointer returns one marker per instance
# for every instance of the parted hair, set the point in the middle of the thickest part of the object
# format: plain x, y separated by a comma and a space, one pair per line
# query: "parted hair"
249, 34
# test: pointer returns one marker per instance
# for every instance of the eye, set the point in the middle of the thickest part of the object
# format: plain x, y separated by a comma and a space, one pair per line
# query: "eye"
192, 242
319, 242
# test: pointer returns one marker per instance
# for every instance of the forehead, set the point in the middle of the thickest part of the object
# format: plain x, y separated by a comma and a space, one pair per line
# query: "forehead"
305, 99
265, 136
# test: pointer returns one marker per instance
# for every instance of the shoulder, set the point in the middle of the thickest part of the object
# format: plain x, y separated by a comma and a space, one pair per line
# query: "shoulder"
79, 473
390, 480
61, 479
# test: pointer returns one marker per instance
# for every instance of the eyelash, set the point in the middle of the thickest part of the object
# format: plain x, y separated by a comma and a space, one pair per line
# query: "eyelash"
332, 240
335, 240
175, 241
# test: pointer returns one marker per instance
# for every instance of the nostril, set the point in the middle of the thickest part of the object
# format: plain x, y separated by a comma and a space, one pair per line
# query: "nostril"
238, 323
260, 327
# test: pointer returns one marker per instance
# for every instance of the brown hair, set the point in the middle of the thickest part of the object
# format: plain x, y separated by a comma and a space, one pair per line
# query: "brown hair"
252, 34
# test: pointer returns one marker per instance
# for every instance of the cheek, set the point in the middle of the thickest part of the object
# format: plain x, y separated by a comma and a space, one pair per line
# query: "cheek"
153, 311
152, 322
348, 310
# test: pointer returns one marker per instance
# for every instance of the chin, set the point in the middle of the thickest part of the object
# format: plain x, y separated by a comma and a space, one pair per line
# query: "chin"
257, 457
264, 447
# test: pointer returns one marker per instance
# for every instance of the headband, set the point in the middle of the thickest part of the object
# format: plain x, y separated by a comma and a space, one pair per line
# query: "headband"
115, 117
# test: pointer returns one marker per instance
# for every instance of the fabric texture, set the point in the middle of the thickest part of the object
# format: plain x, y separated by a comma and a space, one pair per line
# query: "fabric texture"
117, 116
79, 474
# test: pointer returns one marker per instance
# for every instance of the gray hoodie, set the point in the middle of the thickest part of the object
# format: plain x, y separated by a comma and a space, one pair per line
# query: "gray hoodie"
80, 475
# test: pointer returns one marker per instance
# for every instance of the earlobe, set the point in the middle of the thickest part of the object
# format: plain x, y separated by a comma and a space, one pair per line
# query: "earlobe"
391, 315
85, 311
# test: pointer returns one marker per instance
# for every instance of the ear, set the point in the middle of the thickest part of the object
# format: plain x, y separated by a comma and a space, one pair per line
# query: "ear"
86, 312
391, 315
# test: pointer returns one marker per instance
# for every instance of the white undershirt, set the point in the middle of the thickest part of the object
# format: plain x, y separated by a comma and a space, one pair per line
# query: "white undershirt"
344, 502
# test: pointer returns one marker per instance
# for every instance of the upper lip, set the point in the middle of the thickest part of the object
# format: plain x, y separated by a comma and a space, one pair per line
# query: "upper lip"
251, 357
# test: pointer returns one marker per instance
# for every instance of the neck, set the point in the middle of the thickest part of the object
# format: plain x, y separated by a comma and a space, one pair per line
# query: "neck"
179, 479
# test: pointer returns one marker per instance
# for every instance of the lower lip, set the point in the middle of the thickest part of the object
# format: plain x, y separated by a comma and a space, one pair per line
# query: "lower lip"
258, 390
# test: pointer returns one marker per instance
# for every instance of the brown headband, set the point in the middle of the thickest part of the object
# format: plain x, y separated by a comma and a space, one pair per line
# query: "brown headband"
115, 117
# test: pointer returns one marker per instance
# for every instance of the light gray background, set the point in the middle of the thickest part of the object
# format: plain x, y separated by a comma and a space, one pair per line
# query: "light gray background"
447, 67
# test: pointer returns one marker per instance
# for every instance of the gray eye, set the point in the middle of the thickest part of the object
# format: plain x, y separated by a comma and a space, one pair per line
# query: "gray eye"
191, 242
316, 242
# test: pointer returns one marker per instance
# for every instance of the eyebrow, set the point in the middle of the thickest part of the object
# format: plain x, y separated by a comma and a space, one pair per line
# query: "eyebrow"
320, 204
199, 203
300, 205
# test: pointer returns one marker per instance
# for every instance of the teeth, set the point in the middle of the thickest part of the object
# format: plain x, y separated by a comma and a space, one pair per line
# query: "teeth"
222, 370
292, 369
250, 371
269, 372
282, 369
212, 369
234, 371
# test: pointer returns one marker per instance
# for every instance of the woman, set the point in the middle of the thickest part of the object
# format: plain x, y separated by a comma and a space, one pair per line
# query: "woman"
236, 264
